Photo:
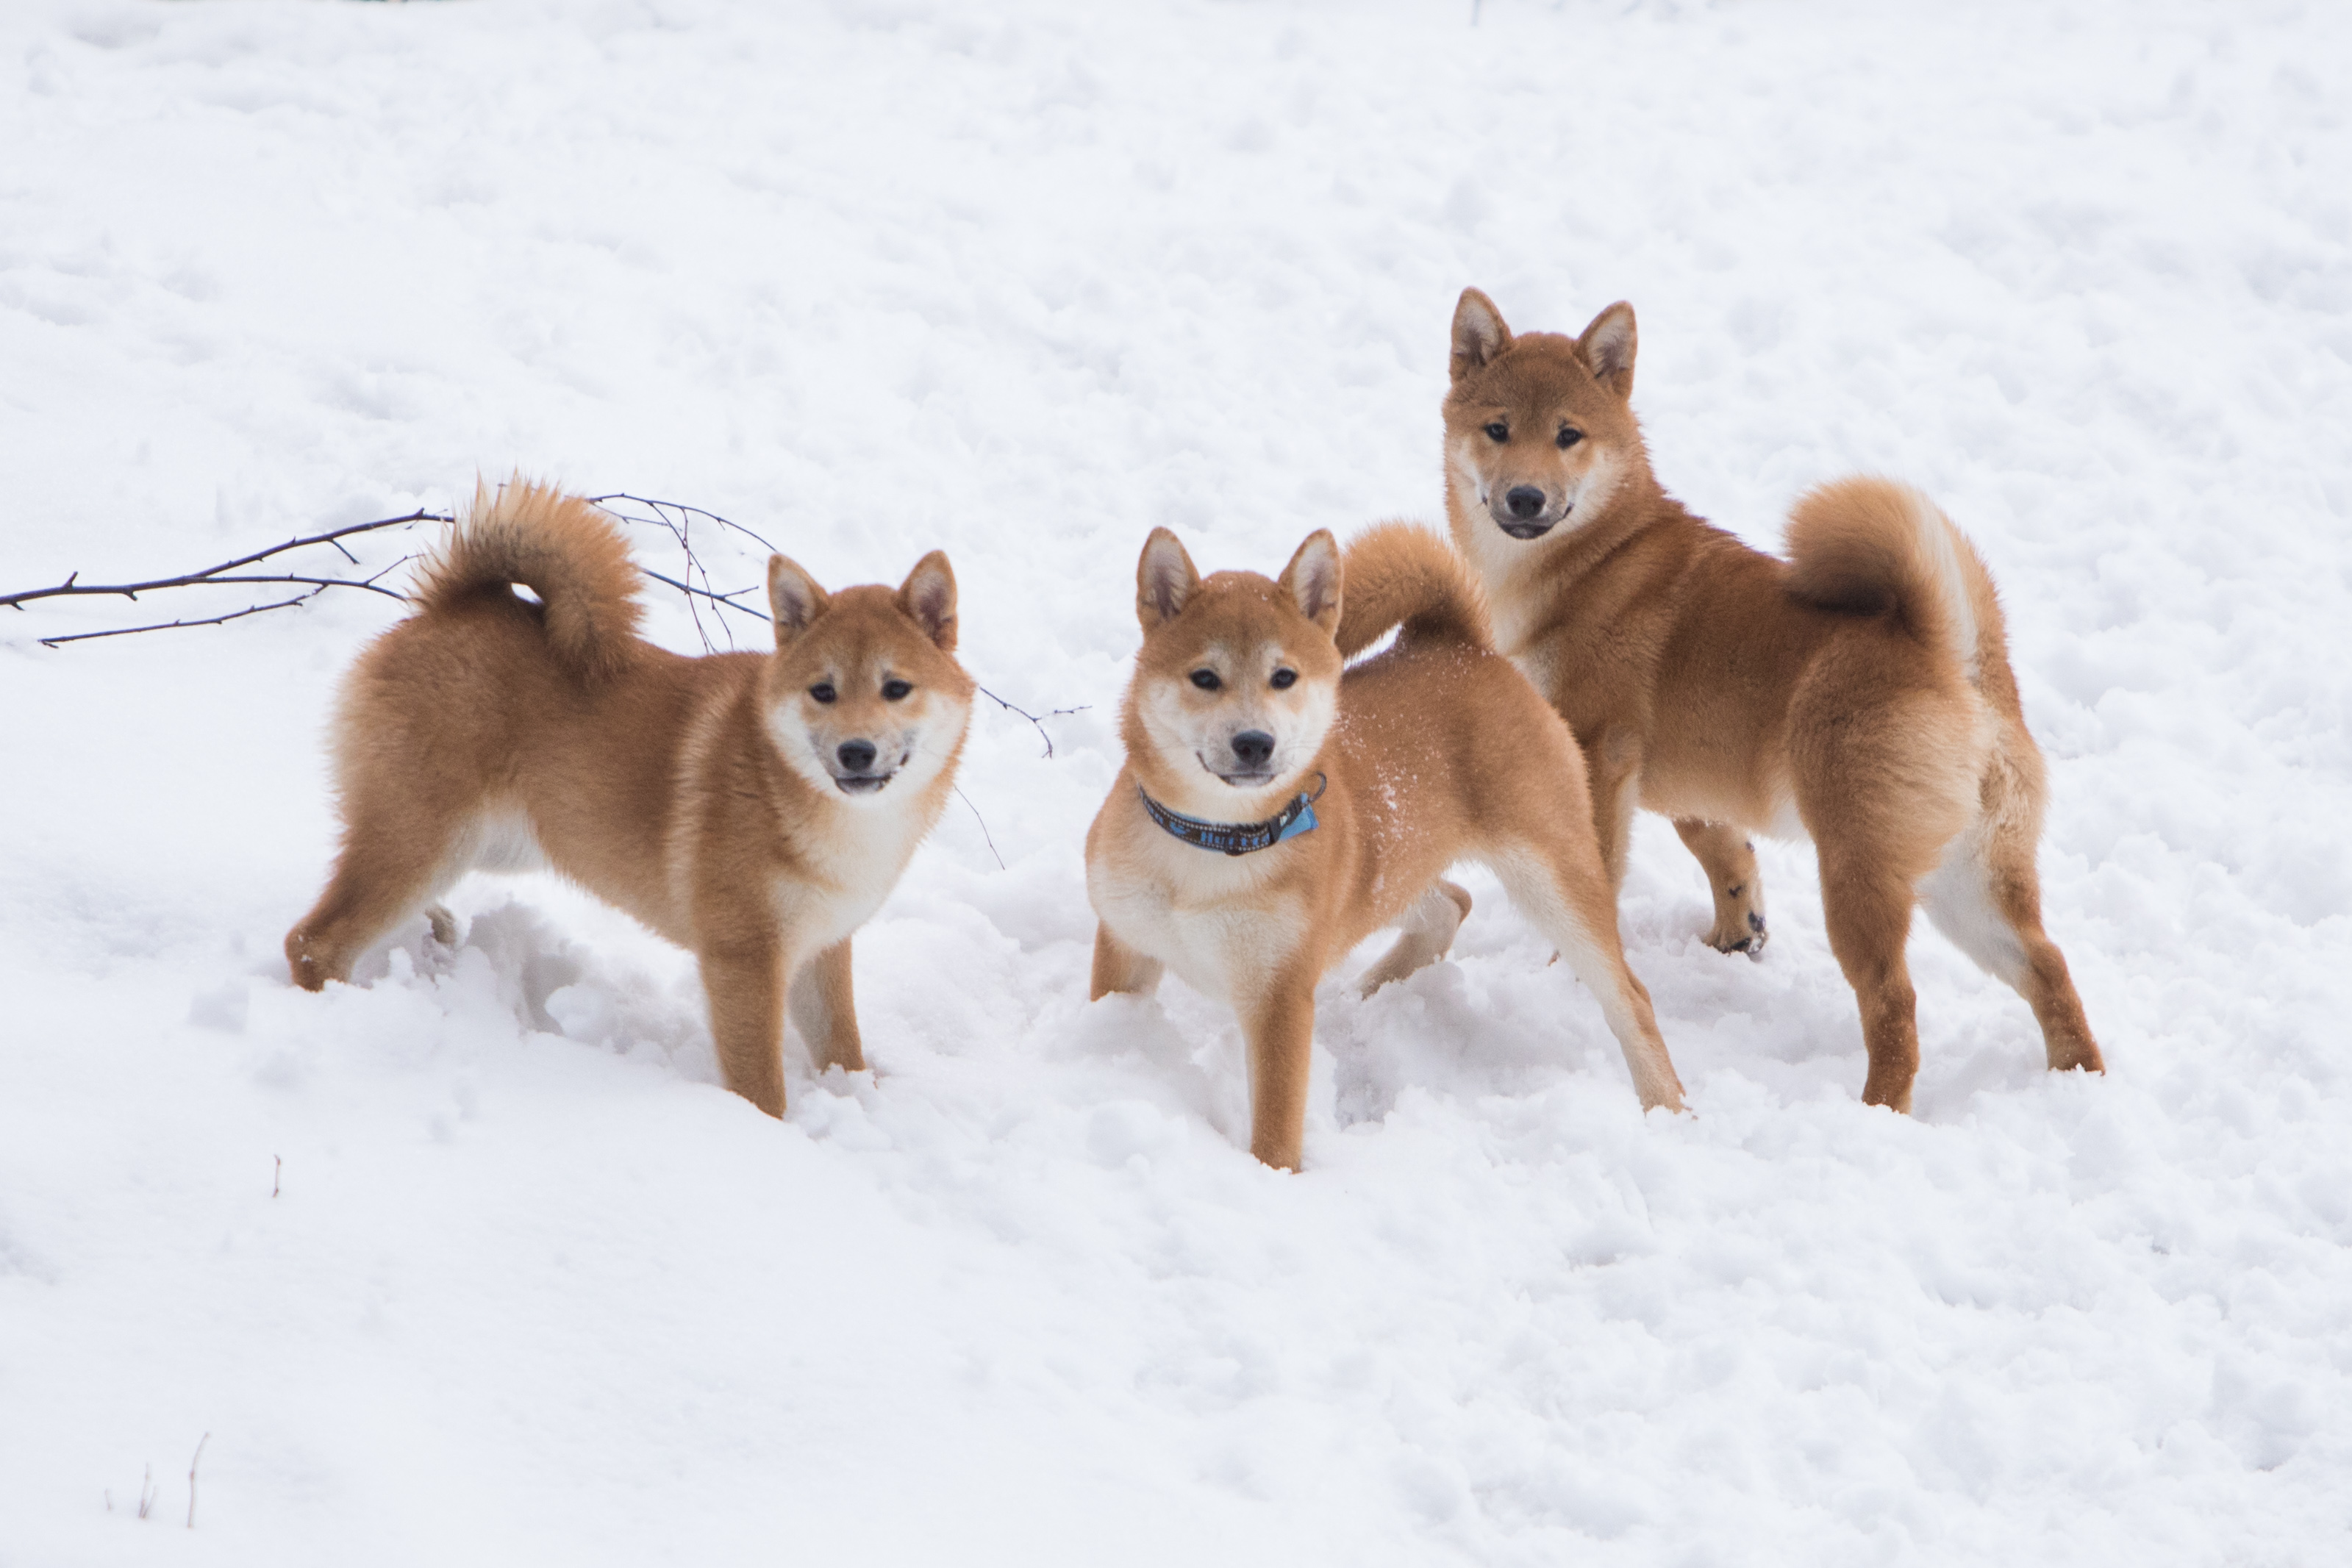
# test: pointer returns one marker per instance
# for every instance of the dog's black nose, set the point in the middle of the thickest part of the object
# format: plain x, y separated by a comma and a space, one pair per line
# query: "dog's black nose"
1253, 746
1524, 500
857, 755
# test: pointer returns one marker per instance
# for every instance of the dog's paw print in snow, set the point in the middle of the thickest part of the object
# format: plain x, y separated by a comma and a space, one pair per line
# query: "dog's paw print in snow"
1412, 1033
514, 960
221, 1006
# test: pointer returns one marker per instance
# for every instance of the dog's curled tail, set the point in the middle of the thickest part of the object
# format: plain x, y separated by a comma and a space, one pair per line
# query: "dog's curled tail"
1399, 574
561, 549
1874, 545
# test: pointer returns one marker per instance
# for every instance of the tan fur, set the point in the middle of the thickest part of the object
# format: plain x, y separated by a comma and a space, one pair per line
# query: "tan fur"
702, 796
1396, 580
1858, 693
1435, 751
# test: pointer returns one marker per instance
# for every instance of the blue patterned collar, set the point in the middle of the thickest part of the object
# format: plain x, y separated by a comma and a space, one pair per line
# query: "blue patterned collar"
1241, 837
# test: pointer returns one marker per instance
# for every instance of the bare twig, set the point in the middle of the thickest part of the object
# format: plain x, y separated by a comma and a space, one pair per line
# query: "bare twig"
168, 625
694, 593
686, 514
192, 1478
983, 828
1033, 718
679, 530
676, 518
276, 1170
73, 586
147, 1492
320, 586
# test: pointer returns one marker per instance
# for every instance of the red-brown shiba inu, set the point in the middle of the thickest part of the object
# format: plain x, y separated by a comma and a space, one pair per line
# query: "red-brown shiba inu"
1859, 692
1275, 811
754, 809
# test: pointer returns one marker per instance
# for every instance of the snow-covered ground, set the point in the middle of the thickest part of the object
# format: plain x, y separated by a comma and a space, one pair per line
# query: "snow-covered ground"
1023, 280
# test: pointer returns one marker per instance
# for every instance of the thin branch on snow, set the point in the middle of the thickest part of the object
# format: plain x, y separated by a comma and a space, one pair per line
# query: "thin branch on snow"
983, 828
321, 586
675, 517
681, 527
1032, 718
192, 1478
685, 514
74, 587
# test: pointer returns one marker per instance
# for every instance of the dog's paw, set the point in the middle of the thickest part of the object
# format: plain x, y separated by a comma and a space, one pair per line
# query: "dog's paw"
1744, 933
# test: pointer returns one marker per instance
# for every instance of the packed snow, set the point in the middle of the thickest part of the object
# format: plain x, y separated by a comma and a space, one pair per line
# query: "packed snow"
473, 1261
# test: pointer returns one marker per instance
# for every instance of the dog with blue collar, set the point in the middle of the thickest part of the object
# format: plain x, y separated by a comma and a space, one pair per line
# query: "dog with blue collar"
1278, 806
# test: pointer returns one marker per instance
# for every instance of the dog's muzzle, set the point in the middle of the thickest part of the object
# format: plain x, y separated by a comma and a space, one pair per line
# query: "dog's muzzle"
1533, 527
1522, 524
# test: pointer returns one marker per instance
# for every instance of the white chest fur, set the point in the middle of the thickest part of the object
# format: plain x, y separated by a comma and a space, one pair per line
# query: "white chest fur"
854, 857
1214, 919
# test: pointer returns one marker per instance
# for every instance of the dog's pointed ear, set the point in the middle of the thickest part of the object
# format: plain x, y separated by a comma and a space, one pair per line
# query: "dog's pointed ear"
1312, 579
928, 595
1608, 348
1164, 579
794, 597
1478, 333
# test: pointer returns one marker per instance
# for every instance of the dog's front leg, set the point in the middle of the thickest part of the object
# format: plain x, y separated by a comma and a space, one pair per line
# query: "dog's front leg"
1280, 1024
1120, 967
824, 1010
743, 978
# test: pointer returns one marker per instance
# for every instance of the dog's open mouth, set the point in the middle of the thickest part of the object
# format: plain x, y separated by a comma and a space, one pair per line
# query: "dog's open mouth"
863, 783
1249, 779
1532, 528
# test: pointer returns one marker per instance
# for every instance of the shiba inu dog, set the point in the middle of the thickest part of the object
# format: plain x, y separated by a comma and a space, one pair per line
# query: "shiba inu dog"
754, 809
1274, 810
1858, 693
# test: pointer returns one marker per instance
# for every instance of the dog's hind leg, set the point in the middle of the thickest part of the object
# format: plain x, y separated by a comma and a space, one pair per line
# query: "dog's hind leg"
1867, 907
1426, 935
1728, 857
1986, 896
825, 1009
1559, 885
396, 859
1612, 772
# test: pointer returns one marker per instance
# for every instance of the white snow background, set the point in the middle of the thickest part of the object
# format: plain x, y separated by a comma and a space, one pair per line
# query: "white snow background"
1023, 280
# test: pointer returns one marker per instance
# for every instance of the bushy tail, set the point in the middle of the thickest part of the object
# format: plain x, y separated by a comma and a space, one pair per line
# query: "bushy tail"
1874, 545
1398, 574
561, 549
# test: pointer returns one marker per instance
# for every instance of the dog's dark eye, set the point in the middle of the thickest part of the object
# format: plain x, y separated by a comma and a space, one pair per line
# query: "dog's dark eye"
1568, 438
1498, 431
893, 690
1285, 679
1206, 680
823, 691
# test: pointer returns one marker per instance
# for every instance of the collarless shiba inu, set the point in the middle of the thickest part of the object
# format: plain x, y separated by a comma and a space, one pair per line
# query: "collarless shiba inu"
1858, 693
755, 809
1274, 810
